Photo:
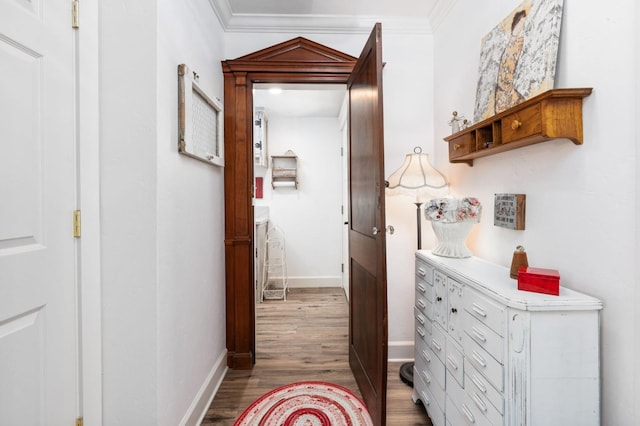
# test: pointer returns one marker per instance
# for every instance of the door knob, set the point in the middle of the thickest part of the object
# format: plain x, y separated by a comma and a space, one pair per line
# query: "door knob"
374, 231
391, 229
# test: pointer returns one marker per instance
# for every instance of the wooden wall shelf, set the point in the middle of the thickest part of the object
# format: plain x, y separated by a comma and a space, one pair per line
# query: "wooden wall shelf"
284, 170
551, 115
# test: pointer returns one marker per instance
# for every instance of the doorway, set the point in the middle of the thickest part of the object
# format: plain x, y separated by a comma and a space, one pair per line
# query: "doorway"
296, 61
303, 61
306, 120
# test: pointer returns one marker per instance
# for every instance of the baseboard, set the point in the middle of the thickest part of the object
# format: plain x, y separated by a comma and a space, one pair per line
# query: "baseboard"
201, 403
401, 351
313, 282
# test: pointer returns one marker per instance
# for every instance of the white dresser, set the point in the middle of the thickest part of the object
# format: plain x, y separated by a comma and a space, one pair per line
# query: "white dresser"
487, 353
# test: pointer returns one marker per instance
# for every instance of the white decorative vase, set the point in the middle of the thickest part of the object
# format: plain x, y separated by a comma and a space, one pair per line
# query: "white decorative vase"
451, 238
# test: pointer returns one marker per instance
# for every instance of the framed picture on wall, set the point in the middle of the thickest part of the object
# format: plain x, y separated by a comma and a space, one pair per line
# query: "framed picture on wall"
518, 57
200, 120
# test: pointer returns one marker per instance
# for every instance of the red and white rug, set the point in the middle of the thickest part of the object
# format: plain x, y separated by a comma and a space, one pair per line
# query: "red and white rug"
307, 404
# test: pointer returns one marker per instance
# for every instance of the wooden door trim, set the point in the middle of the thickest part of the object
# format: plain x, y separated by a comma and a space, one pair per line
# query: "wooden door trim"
295, 61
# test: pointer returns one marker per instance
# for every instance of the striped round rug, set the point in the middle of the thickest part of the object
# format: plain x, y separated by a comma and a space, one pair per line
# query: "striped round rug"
308, 404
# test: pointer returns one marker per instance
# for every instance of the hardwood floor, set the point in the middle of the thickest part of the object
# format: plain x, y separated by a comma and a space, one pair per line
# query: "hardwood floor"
305, 338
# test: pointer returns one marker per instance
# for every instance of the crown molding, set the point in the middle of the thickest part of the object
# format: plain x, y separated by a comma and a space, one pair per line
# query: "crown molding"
440, 11
326, 24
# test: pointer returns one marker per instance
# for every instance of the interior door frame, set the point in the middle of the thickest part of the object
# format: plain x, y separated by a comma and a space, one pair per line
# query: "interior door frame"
295, 61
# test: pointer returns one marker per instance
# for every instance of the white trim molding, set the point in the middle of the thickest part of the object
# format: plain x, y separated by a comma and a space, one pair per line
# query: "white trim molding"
201, 403
326, 24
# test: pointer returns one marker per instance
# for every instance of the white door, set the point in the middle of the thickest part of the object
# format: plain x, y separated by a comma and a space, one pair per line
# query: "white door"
38, 329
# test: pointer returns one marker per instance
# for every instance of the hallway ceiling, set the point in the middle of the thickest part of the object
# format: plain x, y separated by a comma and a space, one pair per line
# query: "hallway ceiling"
351, 16
329, 15
396, 8
300, 100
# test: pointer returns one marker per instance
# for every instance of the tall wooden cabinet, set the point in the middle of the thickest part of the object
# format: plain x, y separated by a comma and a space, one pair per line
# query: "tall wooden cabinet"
489, 354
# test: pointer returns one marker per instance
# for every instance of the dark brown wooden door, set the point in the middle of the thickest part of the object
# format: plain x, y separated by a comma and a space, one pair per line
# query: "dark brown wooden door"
367, 254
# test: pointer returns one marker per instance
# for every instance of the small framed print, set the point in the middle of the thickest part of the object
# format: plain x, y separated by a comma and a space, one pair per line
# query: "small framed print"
509, 211
199, 120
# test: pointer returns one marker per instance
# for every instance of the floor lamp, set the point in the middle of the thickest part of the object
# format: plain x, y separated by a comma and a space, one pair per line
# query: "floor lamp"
420, 180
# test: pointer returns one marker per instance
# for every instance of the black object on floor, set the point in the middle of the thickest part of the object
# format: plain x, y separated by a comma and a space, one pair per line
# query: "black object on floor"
406, 373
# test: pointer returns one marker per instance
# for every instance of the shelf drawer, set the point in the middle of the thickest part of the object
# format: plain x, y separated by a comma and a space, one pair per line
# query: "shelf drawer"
522, 124
491, 341
462, 145
485, 310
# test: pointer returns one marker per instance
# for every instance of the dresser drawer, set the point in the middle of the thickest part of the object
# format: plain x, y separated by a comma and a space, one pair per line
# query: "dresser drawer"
438, 342
424, 305
435, 388
485, 310
484, 363
455, 362
491, 341
475, 382
422, 322
468, 412
425, 289
436, 414
424, 271
427, 359
456, 309
522, 124
440, 305
481, 413
454, 416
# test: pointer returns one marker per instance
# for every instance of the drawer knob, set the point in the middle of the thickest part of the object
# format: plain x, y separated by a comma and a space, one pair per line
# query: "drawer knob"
454, 310
516, 124
439, 299
456, 146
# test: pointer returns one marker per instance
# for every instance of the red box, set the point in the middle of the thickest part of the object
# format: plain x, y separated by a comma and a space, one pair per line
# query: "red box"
259, 187
539, 280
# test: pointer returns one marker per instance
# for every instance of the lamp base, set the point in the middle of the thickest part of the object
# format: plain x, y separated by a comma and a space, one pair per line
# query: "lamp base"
406, 373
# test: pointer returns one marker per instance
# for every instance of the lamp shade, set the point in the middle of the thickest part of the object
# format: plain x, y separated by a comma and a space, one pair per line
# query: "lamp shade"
417, 177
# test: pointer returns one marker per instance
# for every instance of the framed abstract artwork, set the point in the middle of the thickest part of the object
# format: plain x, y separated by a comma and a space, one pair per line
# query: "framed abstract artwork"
518, 57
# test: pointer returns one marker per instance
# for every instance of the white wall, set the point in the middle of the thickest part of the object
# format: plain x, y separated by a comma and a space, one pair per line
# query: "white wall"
408, 111
408, 122
162, 218
578, 197
309, 216
128, 133
191, 277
